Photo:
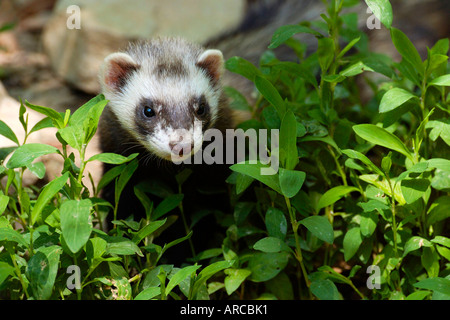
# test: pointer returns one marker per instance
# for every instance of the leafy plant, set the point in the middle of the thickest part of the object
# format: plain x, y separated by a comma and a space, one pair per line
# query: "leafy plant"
363, 183
358, 182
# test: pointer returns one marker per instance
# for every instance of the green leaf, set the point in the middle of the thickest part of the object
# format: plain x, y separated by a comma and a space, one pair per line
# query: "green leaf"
442, 164
382, 9
334, 78
436, 62
7, 26
442, 241
291, 181
348, 47
208, 272
6, 270
325, 289
441, 128
125, 176
3, 203
110, 175
415, 243
355, 69
368, 223
148, 229
41, 271
242, 182
42, 124
180, 276
441, 81
394, 98
441, 285
27, 153
276, 223
92, 118
352, 241
413, 189
439, 210
325, 52
122, 246
56, 117
4, 152
80, 115
417, 168
76, 224
241, 211
168, 204
148, 293
237, 99
270, 244
265, 266
288, 141
8, 234
320, 227
6, 131
234, 279
243, 67
122, 288
380, 136
37, 168
283, 33
95, 248
406, 49
73, 136
333, 195
47, 193
361, 157
254, 171
271, 94
378, 63
383, 185
440, 47
297, 70
112, 158
430, 261
418, 295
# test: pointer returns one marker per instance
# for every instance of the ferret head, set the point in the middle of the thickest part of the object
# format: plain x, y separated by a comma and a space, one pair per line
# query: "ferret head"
165, 93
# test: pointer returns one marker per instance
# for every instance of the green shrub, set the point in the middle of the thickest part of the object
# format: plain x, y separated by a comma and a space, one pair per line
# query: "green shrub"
362, 192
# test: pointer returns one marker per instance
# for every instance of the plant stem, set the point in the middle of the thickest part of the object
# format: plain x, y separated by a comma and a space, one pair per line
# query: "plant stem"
81, 288
356, 290
18, 273
338, 166
83, 163
186, 227
298, 250
394, 224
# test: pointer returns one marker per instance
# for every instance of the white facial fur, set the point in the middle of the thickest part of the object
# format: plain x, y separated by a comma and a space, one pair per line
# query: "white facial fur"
173, 91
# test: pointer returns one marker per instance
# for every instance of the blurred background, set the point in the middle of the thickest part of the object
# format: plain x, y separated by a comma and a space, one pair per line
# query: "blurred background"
50, 53
50, 50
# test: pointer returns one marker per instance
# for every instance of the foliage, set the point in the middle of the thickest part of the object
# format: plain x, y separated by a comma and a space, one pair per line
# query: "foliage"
363, 181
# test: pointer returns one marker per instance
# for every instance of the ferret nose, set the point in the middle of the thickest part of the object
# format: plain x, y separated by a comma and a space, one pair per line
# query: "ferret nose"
179, 149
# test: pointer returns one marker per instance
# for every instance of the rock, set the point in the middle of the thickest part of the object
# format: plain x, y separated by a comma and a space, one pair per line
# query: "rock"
107, 26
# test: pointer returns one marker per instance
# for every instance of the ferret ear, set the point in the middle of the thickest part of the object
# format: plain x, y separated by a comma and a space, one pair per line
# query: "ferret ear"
116, 69
212, 62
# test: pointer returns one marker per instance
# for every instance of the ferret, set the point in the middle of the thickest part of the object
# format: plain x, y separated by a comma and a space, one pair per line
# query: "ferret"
157, 89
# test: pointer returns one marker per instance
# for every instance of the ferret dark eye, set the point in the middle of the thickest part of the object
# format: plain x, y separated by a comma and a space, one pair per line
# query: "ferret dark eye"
201, 110
149, 112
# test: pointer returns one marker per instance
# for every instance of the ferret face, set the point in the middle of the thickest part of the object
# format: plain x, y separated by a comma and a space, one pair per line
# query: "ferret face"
165, 93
